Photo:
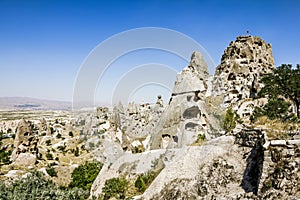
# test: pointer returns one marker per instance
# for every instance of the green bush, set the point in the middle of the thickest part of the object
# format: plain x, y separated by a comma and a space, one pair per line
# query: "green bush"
144, 180
84, 175
115, 187
283, 82
140, 184
48, 142
138, 149
230, 120
276, 108
61, 148
58, 136
200, 138
49, 156
51, 171
5, 157
35, 186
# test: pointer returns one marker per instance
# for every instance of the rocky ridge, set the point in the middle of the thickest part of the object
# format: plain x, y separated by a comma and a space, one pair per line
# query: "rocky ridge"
224, 167
183, 143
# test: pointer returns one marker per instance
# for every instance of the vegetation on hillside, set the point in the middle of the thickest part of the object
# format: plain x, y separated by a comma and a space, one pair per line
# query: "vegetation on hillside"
281, 85
84, 175
276, 108
231, 118
282, 89
35, 186
115, 188
4, 153
144, 180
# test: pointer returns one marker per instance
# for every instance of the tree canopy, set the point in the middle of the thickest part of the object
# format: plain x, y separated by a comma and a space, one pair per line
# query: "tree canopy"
283, 82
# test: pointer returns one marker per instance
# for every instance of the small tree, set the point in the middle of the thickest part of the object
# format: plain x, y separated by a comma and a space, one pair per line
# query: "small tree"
58, 136
283, 82
84, 175
144, 180
115, 187
48, 142
230, 120
276, 108
49, 156
51, 171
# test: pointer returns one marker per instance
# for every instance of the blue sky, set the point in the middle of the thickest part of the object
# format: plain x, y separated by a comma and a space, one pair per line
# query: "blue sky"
43, 43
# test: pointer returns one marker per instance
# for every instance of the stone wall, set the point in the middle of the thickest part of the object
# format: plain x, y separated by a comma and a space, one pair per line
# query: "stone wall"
281, 172
273, 166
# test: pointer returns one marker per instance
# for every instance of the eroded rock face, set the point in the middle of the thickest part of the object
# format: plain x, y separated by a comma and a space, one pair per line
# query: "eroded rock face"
25, 145
242, 65
186, 115
226, 167
198, 99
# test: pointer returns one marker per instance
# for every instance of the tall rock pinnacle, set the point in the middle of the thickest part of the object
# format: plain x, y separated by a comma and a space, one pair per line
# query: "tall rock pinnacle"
242, 65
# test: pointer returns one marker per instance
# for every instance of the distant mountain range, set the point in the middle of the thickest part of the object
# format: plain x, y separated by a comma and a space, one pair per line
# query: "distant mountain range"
25, 103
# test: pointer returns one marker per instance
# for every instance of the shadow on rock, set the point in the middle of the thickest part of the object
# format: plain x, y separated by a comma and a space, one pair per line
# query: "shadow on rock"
253, 171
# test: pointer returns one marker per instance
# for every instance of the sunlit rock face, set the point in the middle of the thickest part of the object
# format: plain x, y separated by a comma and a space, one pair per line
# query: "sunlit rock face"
199, 100
25, 145
186, 115
242, 65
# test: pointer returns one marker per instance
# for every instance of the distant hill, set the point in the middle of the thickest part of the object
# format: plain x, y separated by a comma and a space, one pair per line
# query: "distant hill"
25, 103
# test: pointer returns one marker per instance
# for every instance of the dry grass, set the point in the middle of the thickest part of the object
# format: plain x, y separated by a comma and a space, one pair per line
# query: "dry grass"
276, 129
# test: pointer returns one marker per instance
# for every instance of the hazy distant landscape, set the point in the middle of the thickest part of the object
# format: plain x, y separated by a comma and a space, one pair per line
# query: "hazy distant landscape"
25, 103
199, 100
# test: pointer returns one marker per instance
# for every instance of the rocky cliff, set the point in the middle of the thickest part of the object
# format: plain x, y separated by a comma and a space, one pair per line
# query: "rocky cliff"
187, 115
236, 79
233, 166
199, 100
242, 65
181, 150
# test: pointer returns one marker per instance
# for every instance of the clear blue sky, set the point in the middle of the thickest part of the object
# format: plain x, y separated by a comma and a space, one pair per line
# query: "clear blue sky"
43, 43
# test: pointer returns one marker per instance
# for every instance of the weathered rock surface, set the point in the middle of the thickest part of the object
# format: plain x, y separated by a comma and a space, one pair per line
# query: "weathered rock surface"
187, 115
25, 145
226, 167
242, 65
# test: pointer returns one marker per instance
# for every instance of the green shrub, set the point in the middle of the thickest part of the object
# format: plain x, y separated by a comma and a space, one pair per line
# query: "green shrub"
84, 175
230, 120
61, 148
144, 180
35, 186
276, 108
201, 137
49, 156
138, 149
115, 187
51, 171
140, 184
48, 142
5, 157
58, 136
